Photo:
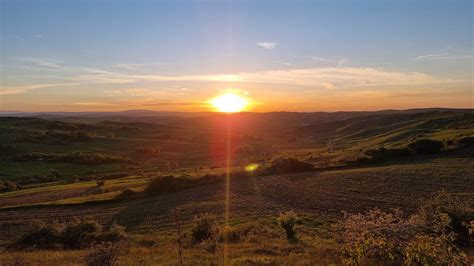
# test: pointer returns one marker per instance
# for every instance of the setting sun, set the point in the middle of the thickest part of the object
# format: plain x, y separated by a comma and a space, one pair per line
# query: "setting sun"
229, 103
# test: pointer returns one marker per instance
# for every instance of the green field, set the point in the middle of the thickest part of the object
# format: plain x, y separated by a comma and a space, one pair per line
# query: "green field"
58, 185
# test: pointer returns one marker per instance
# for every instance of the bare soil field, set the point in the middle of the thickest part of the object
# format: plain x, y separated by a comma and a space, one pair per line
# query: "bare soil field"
323, 194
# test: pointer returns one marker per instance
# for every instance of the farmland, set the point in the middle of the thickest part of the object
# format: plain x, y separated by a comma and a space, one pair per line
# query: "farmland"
192, 147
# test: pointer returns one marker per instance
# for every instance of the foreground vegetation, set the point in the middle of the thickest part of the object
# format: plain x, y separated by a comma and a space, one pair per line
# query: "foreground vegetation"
438, 233
133, 193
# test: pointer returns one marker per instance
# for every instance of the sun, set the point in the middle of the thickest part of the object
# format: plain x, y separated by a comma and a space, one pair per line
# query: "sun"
229, 103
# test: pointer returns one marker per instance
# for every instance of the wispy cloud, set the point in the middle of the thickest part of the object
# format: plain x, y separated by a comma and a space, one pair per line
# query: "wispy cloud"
137, 66
325, 77
100, 104
444, 56
25, 88
318, 77
149, 92
42, 62
336, 62
285, 63
138, 102
333, 76
267, 45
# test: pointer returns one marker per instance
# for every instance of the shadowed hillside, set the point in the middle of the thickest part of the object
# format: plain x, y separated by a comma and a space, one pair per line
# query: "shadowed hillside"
144, 173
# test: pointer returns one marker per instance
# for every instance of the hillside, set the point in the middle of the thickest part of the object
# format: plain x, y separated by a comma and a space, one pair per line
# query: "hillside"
57, 170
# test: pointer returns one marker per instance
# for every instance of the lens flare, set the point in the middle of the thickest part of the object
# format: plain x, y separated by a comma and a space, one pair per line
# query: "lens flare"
251, 167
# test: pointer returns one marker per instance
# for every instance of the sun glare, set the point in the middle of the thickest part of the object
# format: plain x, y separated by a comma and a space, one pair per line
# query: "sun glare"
229, 103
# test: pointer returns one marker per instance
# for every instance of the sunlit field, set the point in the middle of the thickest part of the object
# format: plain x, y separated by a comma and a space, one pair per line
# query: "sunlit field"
236, 133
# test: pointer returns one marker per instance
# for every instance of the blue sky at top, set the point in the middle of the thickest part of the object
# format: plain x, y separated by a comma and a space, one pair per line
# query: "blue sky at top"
50, 42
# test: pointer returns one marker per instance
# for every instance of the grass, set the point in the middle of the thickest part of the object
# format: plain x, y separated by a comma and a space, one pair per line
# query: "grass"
80, 192
271, 245
318, 197
321, 193
12, 170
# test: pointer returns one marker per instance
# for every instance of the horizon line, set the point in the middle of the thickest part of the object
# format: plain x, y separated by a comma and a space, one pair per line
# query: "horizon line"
248, 112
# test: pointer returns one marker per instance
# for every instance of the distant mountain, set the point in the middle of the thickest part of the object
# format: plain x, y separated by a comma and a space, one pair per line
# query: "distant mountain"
94, 114
144, 113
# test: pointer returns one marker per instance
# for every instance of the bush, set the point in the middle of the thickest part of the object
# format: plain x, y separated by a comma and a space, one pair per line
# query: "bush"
287, 221
288, 165
426, 146
116, 233
74, 157
115, 176
203, 228
104, 254
383, 154
154, 151
148, 243
81, 234
75, 179
7, 186
251, 261
210, 245
430, 250
57, 137
465, 142
229, 235
53, 174
459, 212
127, 193
379, 238
167, 184
100, 183
39, 237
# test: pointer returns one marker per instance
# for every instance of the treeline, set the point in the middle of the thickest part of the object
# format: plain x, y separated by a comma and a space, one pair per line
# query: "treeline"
154, 151
421, 146
173, 183
74, 157
57, 137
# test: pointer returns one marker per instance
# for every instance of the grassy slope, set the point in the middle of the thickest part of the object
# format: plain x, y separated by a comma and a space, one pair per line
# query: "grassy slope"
321, 195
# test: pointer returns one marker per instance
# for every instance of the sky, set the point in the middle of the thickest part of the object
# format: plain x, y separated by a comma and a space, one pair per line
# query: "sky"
291, 55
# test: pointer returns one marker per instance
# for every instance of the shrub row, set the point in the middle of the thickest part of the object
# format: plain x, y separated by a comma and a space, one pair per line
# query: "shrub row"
74, 157
169, 183
286, 165
80, 234
422, 146
148, 150
57, 137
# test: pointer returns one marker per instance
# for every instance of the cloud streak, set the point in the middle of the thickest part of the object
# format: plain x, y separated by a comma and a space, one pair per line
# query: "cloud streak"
330, 77
25, 88
444, 56
41, 62
267, 45
326, 77
338, 62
